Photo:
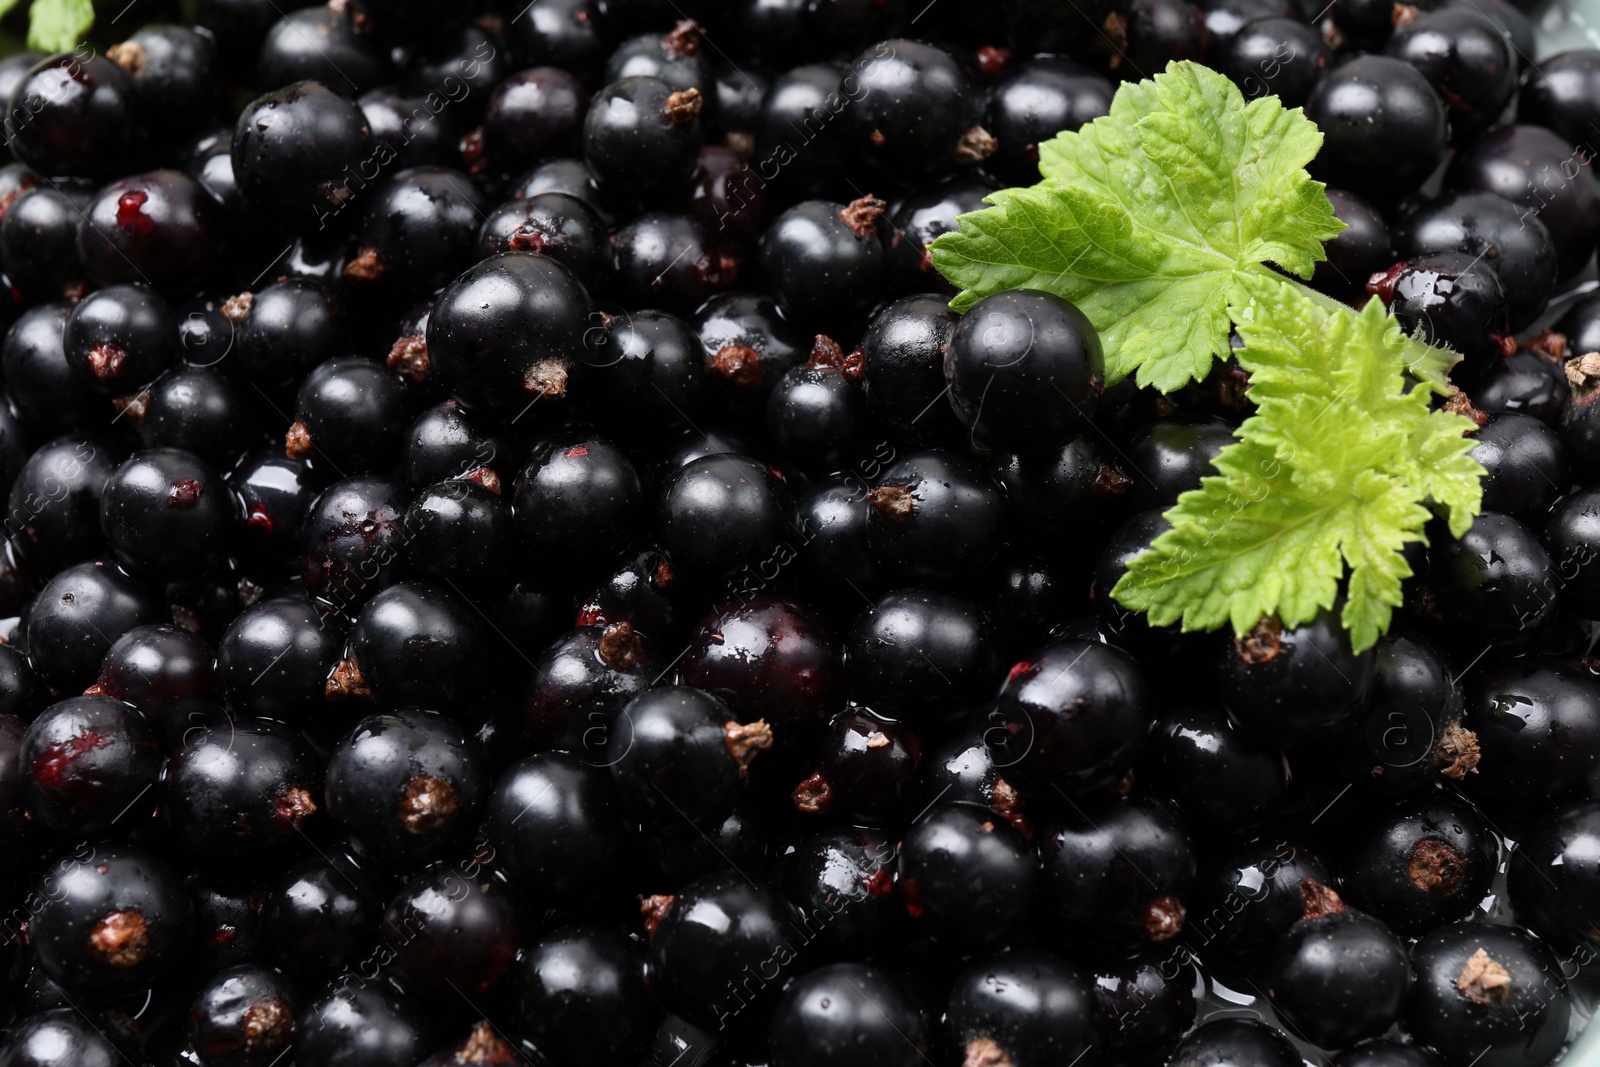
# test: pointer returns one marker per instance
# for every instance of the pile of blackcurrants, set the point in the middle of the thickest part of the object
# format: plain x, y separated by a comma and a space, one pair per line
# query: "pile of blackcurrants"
510, 557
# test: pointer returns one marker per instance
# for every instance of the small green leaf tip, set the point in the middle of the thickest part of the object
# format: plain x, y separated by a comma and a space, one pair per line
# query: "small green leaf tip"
1330, 474
59, 25
1151, 218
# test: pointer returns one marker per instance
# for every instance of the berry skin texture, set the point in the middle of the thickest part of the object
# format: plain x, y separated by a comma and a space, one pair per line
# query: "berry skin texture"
1425, 863
850, 1015
352, 542
163, 512
415, 645
54, 507
1074, 714
116, 339
703, 939
113, 920
1383, 124
350, 413
912, 109
581, 996
319, 917
274, 659
1295, 686
418, 231
77, 617
1235, 1043
1497, 578
935, 517
502, 335
85, 762
1223, 781
556, 825
241, 797
1514, 709
406, 787
64, 1037
82, 118
920, 654
580, 683
680, 754
458, 934
1480, 987
768, 658
161, 228
1554, 879
577, 499
967, 877
642, 136
723, 513
825, 260
361, 1024
298, 152
1024, 369
1120, 905
243, 1017
1028, 1008
1340, 977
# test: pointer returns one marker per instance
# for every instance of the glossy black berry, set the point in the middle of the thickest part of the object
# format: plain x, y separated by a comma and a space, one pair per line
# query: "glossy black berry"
77, 115
920, 654
1032, 103
1526, 464
275, 657
1029, 1007
201, 411
680, 754
723, 513
331, 45
239, 797
352, 541
460, 535
912, 110
824, 259
935, 517
407, 787
1073, 714
966, 876
577, 498
503, 335
768, 657
1497, 578
66, 1037
1383, 126
54, 505
1222, 780
319, 917
1536, 169
116, 339
1364, 248
1490, 991
1024, 369
581, 997
361, 1023
847, 875
579, 684
1559, 93
1514, 244
642, 136
1170, 457
553, 224
849, 1014
1235, 1042
556, 826
1536, 727
243, 1017
77, 617
299, 152
1119, 905
165, 514
1294, 686
418, 231
1466, 58
703, 937
1338, 975
281, 331
455, 932
114, 918
86, 763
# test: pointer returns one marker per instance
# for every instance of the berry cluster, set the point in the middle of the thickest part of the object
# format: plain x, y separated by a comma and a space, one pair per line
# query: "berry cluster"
511, 558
